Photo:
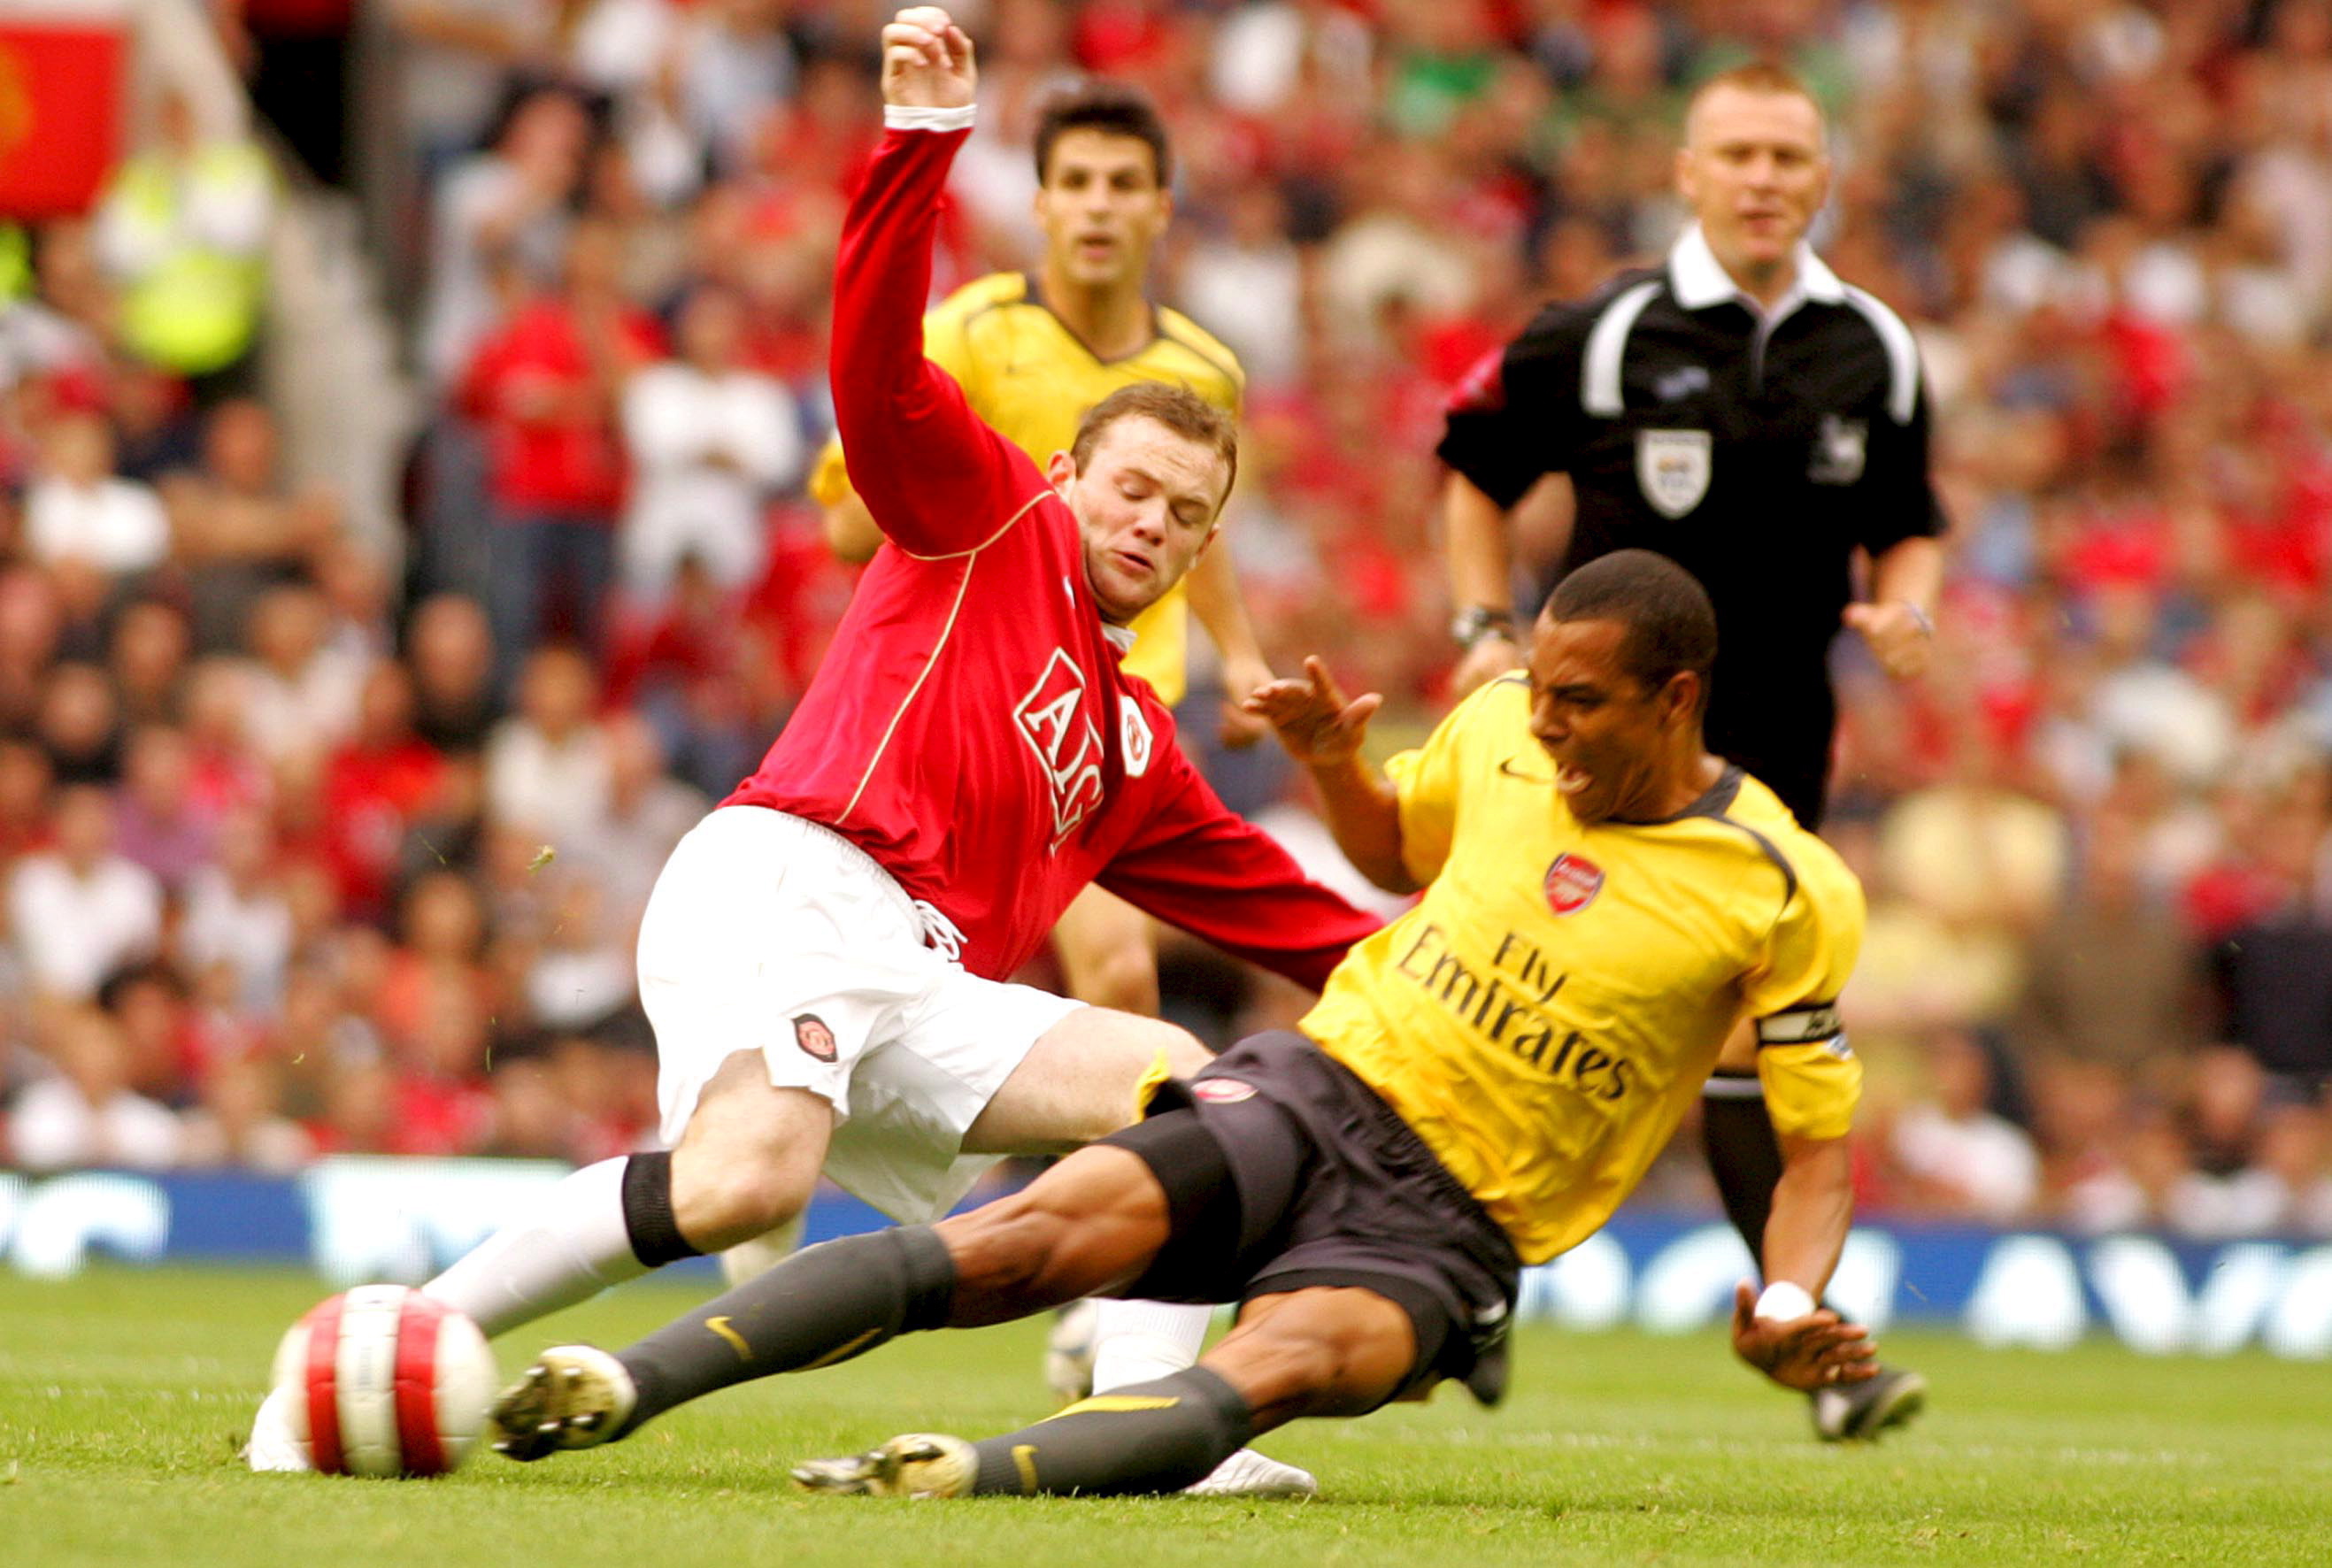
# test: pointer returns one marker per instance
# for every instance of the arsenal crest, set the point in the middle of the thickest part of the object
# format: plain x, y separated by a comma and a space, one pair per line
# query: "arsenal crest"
1571, 884
1672, 469
813, 1038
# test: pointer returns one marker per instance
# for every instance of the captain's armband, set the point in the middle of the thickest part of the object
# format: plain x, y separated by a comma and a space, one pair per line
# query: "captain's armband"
1805, 1026
1811, 1076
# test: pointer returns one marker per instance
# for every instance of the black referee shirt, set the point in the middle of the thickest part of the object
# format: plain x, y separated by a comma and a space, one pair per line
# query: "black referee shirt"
1754, 450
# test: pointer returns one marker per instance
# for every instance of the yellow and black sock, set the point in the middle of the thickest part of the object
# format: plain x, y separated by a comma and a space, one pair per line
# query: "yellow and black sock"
1148, 1437
824, 1305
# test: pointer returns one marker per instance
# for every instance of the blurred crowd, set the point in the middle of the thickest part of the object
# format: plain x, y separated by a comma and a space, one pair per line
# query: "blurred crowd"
308, 848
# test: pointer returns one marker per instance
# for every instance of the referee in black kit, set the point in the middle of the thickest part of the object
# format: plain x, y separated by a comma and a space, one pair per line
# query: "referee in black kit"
1743, 412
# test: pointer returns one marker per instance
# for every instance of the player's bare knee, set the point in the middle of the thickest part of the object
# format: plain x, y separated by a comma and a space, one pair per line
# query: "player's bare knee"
745, 1165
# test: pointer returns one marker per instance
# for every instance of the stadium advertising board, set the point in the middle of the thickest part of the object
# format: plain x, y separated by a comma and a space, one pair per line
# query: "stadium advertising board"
353, 1219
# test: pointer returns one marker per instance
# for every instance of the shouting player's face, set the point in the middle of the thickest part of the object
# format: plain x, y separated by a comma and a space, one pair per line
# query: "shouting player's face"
1614, 740
1752, 168
1101, 209
1146, 502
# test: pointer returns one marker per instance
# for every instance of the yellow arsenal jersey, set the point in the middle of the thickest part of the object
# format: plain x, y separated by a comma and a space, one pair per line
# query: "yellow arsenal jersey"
1547, 1012
1032, 380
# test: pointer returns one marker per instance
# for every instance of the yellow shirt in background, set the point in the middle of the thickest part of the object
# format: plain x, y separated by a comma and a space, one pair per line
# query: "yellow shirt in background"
1033, 380
1544, 1016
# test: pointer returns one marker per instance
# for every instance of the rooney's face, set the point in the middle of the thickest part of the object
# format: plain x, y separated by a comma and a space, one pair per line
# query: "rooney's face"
1146, 504
1752, 168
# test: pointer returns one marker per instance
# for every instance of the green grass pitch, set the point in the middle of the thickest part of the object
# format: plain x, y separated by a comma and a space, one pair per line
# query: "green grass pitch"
122, 1395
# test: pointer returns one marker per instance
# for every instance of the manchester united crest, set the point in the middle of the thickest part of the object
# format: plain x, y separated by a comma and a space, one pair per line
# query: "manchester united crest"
1571, 884
816, 1039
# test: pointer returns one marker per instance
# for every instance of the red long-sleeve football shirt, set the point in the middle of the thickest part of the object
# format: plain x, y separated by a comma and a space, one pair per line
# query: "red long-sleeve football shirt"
969, 728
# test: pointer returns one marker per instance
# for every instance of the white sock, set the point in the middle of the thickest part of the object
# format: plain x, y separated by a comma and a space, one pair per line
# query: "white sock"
570, 1248
1137, 1341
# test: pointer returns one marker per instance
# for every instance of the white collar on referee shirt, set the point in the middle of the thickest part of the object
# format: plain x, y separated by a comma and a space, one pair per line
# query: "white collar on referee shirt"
1698, 280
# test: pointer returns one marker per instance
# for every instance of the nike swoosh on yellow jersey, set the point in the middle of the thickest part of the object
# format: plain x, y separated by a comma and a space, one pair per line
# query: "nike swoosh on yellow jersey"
1507, 766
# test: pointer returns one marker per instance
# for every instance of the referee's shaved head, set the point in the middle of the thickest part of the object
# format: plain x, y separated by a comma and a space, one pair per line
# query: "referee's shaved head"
1670, 624
1757, 77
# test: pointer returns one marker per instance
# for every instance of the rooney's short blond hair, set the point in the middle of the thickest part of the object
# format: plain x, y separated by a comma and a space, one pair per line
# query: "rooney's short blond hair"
1178, 408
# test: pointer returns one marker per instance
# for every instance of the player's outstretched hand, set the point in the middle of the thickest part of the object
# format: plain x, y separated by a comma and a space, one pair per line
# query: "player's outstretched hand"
1316, 725
1804, 1353
927, 61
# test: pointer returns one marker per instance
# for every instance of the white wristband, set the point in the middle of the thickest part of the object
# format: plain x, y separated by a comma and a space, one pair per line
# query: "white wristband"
1783, 1301
920, 116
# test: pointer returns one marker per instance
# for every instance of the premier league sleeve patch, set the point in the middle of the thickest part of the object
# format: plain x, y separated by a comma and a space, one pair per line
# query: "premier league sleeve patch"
1838, 451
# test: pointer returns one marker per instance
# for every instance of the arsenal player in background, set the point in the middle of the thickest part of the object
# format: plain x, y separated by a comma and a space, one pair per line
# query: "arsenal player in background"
824, 956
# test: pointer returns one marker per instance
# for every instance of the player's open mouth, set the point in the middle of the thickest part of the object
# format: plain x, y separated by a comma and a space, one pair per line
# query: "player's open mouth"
1572, 780
1139, 565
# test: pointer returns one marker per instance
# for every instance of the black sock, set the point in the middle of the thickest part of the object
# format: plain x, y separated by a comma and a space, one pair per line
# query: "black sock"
648, 1219
1146, 1438
822, 1305
1744, 1154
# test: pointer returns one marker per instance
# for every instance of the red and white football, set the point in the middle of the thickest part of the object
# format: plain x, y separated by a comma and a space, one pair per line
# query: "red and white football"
382, 1381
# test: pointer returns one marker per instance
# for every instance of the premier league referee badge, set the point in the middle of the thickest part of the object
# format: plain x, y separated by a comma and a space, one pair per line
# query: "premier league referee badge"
1672, 468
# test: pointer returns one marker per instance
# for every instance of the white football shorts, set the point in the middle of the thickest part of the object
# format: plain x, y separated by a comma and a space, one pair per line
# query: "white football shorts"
766, 932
